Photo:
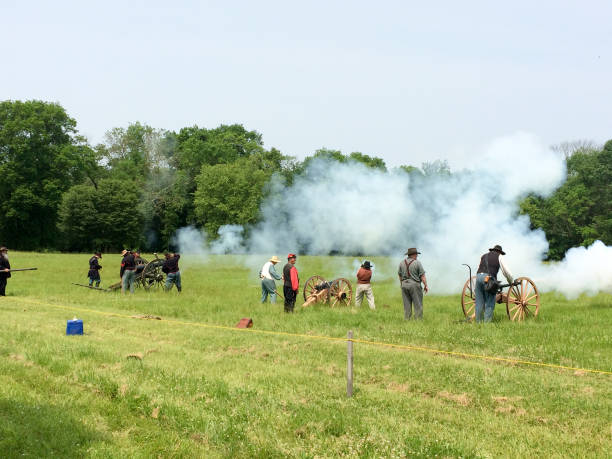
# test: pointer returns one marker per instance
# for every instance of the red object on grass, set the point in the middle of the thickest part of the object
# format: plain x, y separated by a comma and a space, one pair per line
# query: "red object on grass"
245, 322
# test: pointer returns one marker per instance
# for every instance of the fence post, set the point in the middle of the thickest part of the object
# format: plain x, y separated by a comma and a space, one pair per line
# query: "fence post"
349, 365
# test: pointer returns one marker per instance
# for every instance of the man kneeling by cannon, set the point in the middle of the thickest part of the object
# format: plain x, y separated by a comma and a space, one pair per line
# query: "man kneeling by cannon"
337, 292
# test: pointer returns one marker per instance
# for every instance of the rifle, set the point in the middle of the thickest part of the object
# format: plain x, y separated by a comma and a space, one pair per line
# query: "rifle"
92, 287
22, 269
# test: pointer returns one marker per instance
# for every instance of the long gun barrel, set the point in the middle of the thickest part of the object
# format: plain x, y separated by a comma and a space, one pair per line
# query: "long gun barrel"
22, 269
92, 287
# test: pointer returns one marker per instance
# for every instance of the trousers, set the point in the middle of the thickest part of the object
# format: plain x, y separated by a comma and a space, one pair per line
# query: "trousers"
173, 278
412, 295
268, 287
485, 301
290, 297
127, 281
364, 289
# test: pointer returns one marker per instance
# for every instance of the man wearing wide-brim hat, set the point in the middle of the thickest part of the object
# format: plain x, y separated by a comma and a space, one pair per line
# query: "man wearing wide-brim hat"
411, 274
5, 268
490, 264
268, 275
94, 270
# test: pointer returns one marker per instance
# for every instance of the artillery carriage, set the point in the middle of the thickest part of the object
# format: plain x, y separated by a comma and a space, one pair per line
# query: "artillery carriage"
522, 298
338, 292
149, 274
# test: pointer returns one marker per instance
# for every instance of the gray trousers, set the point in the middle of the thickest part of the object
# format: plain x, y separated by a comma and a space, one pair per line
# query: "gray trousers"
412, 294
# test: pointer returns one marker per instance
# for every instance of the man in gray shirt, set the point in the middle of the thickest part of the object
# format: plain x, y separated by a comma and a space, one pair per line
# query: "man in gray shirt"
411, 274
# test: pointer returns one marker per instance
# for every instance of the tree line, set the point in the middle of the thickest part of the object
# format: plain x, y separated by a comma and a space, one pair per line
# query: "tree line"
141, 184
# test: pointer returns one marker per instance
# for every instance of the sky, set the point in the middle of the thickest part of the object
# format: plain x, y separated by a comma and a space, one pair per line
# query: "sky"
405, 81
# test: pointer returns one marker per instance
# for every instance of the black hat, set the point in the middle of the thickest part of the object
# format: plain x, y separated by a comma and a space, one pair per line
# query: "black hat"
366, 264
98, 254
498, 248
412, 251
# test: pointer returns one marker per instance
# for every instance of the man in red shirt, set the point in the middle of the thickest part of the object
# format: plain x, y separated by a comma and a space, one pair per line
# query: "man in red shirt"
291, 282
363, 285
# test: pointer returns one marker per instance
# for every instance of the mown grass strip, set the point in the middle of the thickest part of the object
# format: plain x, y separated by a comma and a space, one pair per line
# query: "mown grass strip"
336, 339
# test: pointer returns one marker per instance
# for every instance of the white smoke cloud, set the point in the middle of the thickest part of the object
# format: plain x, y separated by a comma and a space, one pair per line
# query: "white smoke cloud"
351, 209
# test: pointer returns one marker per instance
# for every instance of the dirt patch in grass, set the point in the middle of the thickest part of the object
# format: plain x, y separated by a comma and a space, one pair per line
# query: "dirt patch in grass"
200, 438
240, 350
505, 405
588, 390
21, 358
460, 399
397, 387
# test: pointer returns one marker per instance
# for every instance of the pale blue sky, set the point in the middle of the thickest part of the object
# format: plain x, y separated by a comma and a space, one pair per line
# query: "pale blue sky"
405, 81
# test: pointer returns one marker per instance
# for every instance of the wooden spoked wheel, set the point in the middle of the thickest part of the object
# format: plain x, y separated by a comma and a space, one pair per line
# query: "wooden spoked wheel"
311, 283
152, 276
523, 300
468, 298
340, 293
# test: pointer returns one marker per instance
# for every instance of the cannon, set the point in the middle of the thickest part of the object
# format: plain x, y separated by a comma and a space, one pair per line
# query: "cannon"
522, 298
338, 292
149, 274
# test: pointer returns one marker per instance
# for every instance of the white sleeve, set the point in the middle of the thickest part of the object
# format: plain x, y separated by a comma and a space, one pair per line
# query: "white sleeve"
505, 271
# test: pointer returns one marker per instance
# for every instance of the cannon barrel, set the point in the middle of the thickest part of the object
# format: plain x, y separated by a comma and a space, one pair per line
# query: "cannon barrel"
22, 269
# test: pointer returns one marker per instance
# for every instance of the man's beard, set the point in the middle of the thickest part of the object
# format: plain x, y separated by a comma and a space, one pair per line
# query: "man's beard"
5, 256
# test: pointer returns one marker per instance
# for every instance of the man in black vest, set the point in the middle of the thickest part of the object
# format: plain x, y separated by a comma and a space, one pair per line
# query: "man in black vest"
291, 282
490, 263
5, 272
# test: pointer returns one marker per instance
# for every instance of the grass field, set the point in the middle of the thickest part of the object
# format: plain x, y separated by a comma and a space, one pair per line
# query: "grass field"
215, 392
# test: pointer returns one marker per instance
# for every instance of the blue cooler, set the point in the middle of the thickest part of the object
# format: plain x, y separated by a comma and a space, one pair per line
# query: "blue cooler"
74, 327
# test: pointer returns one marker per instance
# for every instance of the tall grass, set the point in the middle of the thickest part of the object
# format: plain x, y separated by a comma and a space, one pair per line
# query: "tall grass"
193, 391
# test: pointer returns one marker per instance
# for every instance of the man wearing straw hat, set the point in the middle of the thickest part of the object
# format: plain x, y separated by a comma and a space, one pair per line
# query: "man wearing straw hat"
411, 274
268, 275
5, 267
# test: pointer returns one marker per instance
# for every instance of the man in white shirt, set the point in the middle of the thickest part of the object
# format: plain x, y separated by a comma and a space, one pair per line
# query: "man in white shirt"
268, 275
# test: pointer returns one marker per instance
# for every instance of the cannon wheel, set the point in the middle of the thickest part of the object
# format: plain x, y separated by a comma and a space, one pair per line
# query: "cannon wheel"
523, 300
341, 292
311, 283
468, 298
152, 276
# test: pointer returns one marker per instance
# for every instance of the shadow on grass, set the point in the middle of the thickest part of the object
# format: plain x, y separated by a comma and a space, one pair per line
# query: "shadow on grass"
41, 431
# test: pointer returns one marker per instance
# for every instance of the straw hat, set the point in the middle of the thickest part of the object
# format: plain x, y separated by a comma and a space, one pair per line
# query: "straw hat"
274, 259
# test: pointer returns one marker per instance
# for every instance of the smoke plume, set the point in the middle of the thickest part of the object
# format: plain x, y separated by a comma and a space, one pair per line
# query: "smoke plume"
451, 218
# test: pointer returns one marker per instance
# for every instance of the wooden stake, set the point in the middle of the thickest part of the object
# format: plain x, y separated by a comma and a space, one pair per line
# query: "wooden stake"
349, 365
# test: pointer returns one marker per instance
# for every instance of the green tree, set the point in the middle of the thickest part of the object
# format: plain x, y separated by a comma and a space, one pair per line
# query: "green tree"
580, 211
336, 155
411, 170
230, 193
135, 152
40, 157
370, 161
198, 146
437, 167
105, 218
